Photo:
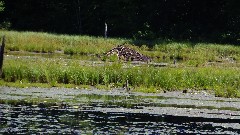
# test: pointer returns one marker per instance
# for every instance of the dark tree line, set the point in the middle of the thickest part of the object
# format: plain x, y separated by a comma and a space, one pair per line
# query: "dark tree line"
196, 20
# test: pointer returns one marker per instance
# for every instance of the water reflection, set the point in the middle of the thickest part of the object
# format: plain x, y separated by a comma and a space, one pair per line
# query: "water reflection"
97, 118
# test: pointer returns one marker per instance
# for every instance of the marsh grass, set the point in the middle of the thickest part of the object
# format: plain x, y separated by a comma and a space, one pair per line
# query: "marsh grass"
225, 81
48, 43
192, 70
191, 54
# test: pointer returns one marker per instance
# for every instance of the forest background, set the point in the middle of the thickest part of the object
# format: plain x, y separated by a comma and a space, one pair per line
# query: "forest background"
216, 21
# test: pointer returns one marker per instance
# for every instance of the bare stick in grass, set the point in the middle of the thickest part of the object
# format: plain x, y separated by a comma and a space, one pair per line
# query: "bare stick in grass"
1, 54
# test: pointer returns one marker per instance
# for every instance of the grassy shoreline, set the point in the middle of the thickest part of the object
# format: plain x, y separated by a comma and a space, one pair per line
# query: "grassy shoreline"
192, 72
192, 54
225, 81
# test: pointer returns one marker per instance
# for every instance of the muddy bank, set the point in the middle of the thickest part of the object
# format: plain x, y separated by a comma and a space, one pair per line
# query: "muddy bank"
193, 99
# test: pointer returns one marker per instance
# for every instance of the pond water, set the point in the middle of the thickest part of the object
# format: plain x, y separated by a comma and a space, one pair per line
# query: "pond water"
123, 116
78, 111
29, 120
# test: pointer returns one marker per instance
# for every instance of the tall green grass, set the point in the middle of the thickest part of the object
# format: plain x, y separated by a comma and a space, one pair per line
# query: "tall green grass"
191, 72
192, 54
45, 42
225, 81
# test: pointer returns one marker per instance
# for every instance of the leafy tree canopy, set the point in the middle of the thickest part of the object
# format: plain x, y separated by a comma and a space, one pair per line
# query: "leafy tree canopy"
1, 6
194, 20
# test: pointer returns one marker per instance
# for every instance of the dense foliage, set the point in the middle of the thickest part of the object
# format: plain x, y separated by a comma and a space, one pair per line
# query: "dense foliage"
1, 6
197, 20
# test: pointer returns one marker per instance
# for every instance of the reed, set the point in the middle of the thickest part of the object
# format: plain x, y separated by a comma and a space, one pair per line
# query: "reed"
224, 80
199, 65
69, 44
191, 54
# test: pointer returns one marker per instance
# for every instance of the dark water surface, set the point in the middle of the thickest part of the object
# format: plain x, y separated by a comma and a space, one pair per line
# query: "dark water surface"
33, 111
21, 119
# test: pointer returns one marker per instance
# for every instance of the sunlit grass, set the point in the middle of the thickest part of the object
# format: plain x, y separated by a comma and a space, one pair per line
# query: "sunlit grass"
199, 65
224, 80
191, 54
45, 42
